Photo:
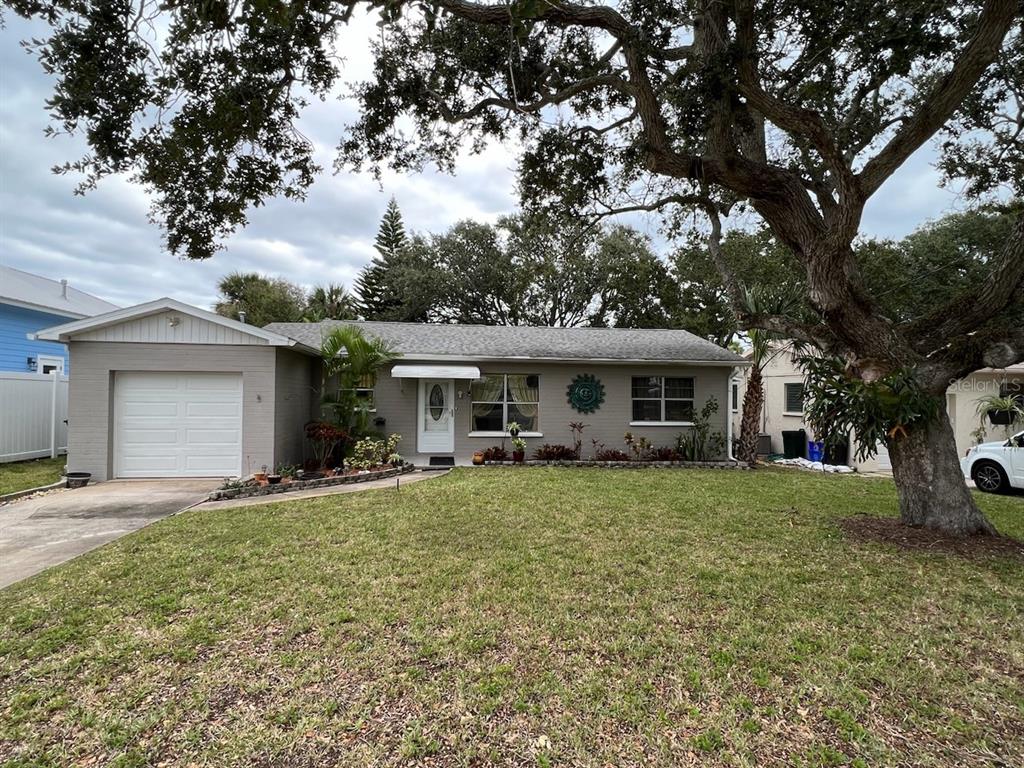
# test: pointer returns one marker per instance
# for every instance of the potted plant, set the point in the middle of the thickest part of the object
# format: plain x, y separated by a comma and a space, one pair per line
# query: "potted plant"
478, 458
1002, 411
513, 429
274, 479
518, 449
261, 476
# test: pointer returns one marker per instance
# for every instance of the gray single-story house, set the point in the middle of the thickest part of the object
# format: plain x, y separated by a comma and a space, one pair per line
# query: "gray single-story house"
164, 389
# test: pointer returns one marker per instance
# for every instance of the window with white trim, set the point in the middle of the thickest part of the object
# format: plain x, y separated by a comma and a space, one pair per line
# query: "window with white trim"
49, 364
794, 398
500, 398
735, 396
667, 399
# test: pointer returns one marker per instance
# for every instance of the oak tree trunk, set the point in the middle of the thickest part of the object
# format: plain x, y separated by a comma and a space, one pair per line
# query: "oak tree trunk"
753, 403
931, 488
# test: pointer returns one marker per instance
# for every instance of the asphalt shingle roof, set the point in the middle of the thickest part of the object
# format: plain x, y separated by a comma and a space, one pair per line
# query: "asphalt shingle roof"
511, 342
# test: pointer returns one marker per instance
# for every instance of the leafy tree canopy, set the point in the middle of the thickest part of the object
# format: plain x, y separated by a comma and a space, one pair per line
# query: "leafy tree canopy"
263, 299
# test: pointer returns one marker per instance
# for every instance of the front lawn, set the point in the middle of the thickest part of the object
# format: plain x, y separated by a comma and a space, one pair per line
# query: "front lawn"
543, 617
22, 475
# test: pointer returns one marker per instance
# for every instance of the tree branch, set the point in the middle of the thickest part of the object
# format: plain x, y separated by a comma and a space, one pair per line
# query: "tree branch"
972, 310
937, 106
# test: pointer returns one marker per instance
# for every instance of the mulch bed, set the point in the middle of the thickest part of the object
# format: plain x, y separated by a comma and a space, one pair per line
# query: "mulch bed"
889, 530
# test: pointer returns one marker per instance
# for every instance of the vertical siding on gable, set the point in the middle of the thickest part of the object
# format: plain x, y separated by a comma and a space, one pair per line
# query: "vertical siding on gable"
90, 400
16, 348
158, 329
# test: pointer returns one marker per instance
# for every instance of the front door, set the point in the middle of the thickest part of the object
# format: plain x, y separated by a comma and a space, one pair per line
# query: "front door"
436, 430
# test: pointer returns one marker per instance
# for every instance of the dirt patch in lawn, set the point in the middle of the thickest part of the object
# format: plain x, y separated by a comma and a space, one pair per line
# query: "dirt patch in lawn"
889, 530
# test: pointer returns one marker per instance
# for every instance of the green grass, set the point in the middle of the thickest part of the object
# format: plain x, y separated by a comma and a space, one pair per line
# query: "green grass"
23, 475
544, 617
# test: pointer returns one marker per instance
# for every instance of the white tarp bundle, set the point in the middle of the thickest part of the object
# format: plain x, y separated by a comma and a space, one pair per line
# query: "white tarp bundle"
817, 466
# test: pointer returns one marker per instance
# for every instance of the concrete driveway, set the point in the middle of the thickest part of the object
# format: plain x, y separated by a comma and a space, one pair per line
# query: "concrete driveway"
41, 532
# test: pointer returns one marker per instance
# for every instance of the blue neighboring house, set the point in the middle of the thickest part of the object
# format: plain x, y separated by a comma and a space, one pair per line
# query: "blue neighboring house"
30, 303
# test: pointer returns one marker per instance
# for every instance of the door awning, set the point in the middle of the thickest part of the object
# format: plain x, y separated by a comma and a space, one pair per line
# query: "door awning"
435, 372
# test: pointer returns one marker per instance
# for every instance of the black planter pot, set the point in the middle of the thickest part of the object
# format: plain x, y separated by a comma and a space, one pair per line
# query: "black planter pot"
77, 479
274, 479
1002, 418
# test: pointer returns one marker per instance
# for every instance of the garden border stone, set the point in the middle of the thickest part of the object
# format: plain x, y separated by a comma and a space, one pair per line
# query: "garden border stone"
304, 485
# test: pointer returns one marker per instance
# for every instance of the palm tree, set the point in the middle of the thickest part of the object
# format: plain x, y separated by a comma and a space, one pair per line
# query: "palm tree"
762, 352
353, 359
330, 302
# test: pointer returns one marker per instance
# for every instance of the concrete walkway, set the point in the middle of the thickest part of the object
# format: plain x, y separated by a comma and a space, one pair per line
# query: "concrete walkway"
277, 498
40, 532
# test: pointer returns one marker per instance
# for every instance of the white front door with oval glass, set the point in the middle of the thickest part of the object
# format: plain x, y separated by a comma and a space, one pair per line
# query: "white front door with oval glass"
436, 430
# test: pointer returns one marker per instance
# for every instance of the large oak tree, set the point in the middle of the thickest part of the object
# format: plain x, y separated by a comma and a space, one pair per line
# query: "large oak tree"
797, 110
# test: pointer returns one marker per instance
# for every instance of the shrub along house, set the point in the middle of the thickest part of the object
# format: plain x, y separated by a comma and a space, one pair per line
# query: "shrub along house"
165, 389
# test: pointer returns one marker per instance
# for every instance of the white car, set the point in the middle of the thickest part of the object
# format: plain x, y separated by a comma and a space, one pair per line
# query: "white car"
996, 467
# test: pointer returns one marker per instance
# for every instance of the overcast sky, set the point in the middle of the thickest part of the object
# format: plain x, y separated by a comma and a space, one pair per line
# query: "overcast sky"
104, 243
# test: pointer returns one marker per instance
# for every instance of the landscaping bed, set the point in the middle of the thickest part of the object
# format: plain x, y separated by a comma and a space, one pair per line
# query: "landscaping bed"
619, 464
245, 490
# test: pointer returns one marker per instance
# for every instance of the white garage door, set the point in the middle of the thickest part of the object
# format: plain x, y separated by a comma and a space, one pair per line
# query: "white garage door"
177, 424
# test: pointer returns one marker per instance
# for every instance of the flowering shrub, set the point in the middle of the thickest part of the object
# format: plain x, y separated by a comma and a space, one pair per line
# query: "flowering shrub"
495, 453
555, 453
324, 437
374, 452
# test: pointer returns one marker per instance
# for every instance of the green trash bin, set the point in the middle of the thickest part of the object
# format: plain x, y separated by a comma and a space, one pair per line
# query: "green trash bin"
794, 443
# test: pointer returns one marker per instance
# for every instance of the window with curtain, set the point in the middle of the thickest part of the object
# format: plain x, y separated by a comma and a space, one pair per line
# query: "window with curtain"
500, 398
794, 398
662, 398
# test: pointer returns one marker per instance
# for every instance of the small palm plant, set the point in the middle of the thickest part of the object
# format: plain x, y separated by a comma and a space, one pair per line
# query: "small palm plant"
351, 359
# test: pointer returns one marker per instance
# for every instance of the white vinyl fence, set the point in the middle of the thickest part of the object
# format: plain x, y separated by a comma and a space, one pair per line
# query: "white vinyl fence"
33, 407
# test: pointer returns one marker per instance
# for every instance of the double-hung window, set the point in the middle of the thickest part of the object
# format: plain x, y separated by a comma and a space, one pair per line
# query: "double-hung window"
664, 399
794, 398
500, 398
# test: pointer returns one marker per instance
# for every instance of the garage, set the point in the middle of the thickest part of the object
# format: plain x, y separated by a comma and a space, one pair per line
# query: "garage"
172, 424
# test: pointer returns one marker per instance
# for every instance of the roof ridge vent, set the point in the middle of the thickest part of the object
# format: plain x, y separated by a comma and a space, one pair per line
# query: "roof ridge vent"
63, 287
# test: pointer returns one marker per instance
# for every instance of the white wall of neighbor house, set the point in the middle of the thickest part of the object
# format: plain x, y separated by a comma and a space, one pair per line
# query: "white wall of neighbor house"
962, 399
397, 403
90, 400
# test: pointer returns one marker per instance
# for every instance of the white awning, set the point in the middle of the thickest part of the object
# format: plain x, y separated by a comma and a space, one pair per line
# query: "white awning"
435, 372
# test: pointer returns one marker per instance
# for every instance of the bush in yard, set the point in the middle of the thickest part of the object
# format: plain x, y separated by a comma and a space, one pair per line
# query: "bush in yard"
374, 452
495, 453
611, 454
555, 453
700, 443
663, 453
324, 437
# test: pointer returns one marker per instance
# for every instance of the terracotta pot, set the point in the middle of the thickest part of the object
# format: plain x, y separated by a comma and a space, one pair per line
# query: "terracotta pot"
478, 458
260, 477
